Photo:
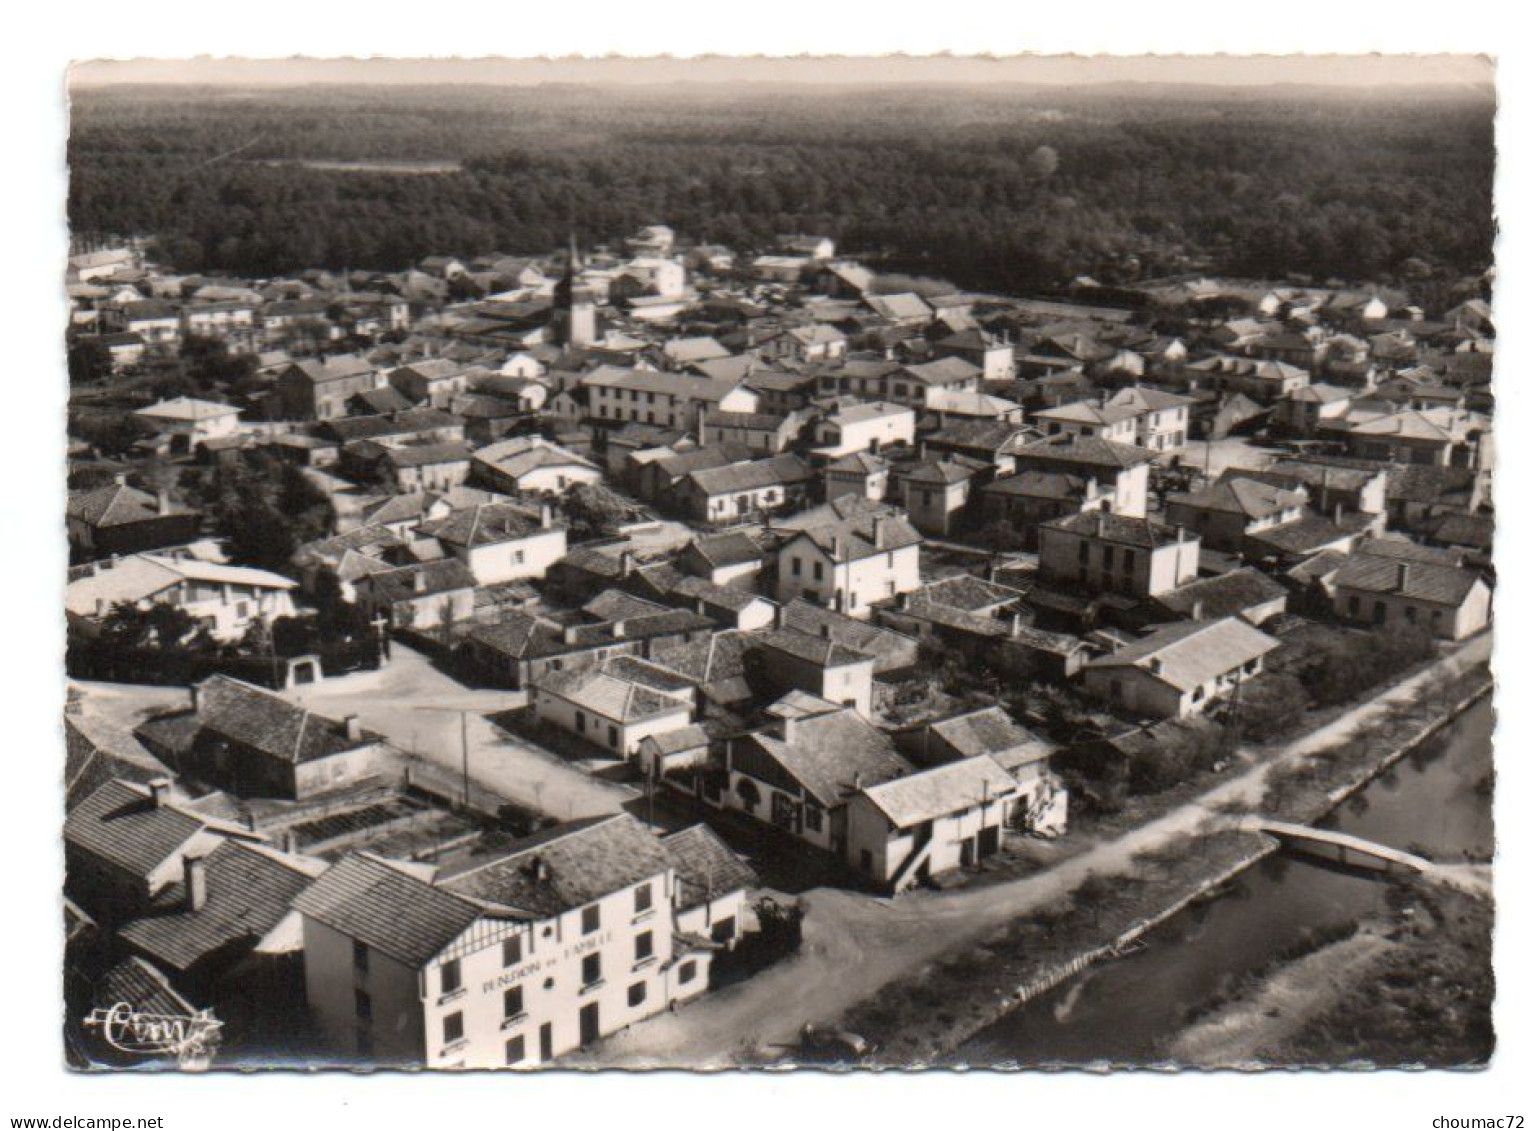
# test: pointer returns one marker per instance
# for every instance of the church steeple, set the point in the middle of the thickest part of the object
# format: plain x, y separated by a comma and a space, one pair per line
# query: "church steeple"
575, 311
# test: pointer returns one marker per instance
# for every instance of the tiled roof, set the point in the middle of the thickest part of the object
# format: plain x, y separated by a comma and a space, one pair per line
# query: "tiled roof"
830, 752
964, 592
1141, 533
604, 692
928, 794
1085, 451
819, 650
486, 524
706, 867
388, 909
777, 471
567, 867
116, 505
1191, 654
264, 721
1249, 497
1039, 485
727, 549
1417, 581
448, 576
121, 824
249, 891
891, 650
1230, 594
992, 732
143, 987
425, 455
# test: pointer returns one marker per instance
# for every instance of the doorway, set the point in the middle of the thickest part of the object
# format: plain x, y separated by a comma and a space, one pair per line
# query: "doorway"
591, 1027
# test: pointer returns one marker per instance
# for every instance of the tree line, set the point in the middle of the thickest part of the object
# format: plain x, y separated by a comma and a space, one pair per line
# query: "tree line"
1004, 190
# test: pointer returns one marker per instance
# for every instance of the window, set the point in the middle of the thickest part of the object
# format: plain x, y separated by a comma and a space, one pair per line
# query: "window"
453, 1028
866, 860
1353, 605
359, 956
1411, 612
1082, 553
820, 571
642, 898
451, 978
794, 566
613, 737
364, 1005
1108, 557
511, 950
591, 969
511, 1002
687, 972
813, 818
516, 1050
637, 994
644, 946
580, 722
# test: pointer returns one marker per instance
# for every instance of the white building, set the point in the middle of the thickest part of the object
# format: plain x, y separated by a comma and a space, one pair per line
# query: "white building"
500, 542
191, 422
575, 933
848, 563
226, 600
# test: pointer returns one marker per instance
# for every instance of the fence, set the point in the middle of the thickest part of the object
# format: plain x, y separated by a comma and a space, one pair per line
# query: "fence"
94, 660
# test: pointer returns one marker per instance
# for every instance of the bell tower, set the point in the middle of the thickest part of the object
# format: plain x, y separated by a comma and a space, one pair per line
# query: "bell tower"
574, 322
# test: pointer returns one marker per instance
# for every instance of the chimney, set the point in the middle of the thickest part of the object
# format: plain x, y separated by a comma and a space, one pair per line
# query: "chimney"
159, 792
1197, 612
353, 727
1017, 624
1337, 514
789, 729
418, 581
289, 841
196, 693
569, 633
194, 871
541, 869
879, 532
545, 516
1155, 665
626, 563
1401, 576
618, 630
1180, 533
162, 503
858, 779
836, 548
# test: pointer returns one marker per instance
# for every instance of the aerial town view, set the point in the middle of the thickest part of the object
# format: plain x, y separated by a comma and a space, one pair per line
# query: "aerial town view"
827, 574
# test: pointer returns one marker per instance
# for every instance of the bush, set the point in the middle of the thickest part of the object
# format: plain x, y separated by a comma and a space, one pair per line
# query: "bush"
1343, 668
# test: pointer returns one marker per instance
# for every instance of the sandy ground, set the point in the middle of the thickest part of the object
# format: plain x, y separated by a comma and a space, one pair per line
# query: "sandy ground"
1234, 1035
855, 945
419, 709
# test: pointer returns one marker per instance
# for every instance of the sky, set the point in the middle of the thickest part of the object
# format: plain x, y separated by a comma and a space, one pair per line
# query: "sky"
1226, 70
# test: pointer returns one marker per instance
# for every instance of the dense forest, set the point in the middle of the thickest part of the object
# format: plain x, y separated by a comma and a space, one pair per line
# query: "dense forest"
1005, 188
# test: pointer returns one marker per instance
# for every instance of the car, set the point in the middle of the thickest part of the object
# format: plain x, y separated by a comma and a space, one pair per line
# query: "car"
834, 1046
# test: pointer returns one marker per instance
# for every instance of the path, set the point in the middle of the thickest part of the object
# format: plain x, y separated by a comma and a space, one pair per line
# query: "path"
1235, 1035
854, 945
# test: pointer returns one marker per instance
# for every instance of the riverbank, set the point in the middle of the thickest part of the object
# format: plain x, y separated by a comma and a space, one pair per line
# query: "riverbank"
1413, 988
926, 1020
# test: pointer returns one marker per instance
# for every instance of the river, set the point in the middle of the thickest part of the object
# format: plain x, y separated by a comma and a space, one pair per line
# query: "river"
1435, 801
